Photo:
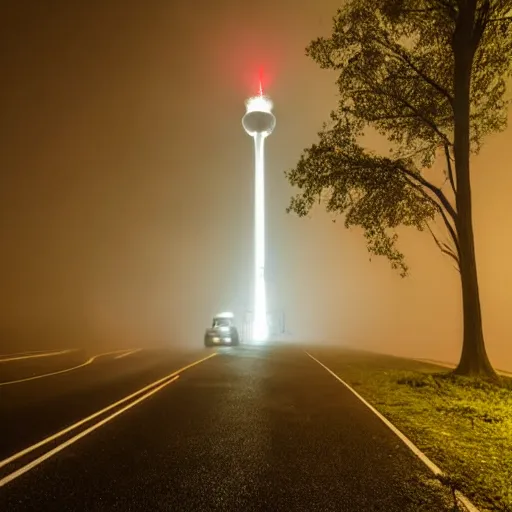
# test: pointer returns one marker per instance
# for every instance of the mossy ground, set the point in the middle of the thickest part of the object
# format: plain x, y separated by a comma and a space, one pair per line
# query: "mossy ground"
463, 425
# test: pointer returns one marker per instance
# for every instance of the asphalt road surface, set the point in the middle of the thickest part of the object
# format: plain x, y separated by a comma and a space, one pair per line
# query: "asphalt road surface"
251, 428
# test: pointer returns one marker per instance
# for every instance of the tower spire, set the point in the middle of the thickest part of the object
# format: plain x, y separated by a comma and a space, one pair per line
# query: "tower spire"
259, 122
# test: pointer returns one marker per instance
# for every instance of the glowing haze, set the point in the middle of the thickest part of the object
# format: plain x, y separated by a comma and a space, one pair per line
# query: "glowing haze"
259, 103
127, 183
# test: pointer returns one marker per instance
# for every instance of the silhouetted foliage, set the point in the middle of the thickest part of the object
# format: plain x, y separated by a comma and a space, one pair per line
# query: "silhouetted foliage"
430, 75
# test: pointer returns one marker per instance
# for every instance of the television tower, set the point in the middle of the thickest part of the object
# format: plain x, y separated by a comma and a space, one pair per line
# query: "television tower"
259, 122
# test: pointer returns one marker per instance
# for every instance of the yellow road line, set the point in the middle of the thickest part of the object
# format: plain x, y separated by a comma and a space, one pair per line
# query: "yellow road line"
51, 438
65, 444
24, 353
33, 356
35, 377
128, 353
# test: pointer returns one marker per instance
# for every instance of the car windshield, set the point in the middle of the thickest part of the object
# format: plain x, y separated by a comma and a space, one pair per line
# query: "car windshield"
221, 322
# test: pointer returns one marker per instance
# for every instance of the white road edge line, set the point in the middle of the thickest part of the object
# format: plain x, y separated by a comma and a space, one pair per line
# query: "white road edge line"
33, 356
128, 353
35, 377
65, 444
433, 467
74, 426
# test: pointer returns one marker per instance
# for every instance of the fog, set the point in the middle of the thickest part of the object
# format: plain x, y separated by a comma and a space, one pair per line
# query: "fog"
126, 187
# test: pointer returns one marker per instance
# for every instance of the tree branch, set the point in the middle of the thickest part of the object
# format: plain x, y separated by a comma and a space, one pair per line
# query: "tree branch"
444, 248
446, 4
406, 60
438, 192
379, 91
451, 230
481, 22
414, 153
441, 211
498, 7
391, 118
427, 121
450, 169
429, 9
445, 204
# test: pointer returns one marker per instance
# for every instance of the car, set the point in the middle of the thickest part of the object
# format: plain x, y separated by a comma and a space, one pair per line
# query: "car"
222, 332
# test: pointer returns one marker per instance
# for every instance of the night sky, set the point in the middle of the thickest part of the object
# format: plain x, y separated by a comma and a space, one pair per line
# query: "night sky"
126, 186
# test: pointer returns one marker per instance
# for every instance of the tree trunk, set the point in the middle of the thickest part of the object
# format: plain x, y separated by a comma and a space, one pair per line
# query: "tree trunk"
473, 360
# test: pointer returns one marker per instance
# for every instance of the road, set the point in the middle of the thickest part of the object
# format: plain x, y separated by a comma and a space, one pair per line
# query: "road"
249, 428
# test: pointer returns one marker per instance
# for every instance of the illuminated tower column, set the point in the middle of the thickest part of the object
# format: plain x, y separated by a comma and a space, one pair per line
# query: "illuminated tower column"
259, 123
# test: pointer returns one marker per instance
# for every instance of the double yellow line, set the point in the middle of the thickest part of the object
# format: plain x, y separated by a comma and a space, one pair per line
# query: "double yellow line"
137, 397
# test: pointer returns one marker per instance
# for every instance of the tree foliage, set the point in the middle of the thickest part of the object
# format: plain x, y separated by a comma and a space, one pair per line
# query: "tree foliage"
395, 61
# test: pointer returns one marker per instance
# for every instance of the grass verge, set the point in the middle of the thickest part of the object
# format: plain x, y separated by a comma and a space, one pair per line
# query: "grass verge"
463, 425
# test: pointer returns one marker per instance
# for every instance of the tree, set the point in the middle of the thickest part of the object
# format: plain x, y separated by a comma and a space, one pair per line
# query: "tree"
430, 75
